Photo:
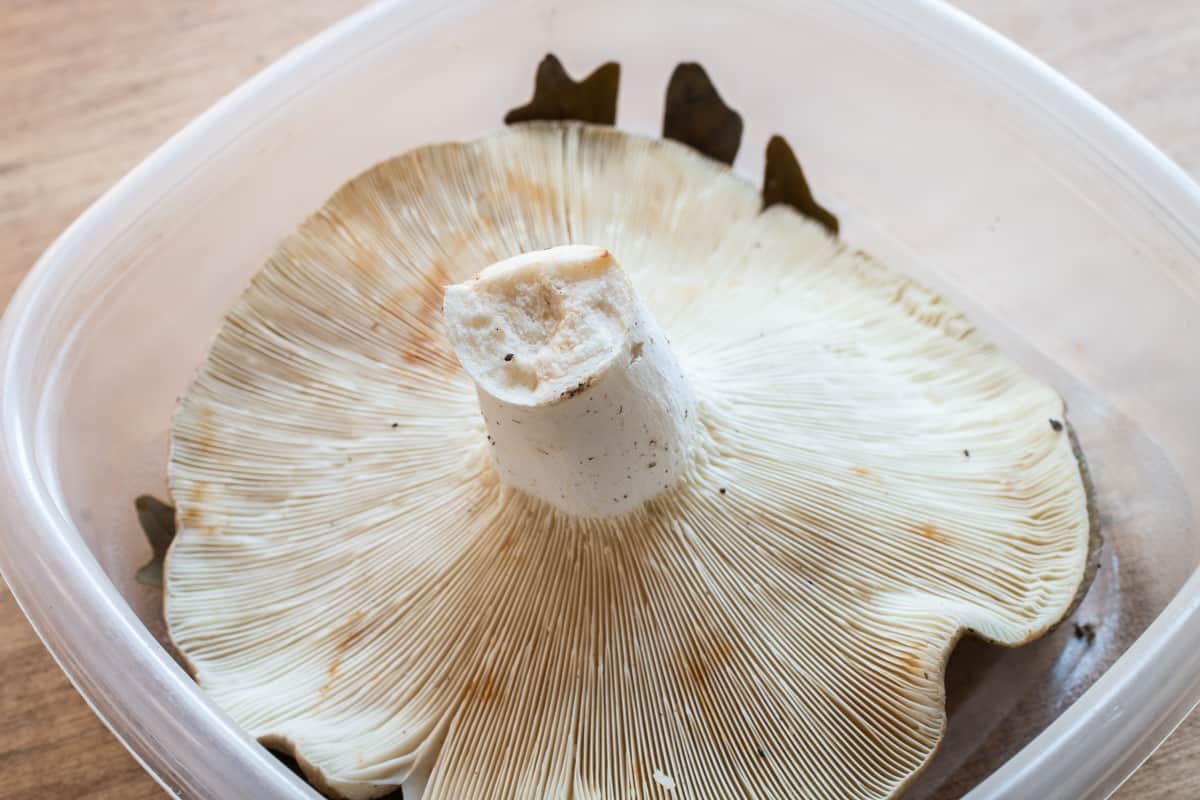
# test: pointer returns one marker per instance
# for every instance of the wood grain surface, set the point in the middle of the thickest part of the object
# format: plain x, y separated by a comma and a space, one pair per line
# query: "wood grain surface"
88, 89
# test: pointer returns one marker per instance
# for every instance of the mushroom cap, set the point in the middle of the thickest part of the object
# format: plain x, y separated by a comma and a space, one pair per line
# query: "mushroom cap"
352, 582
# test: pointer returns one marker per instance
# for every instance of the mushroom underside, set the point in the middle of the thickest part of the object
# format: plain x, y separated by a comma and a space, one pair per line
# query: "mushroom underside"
868, 477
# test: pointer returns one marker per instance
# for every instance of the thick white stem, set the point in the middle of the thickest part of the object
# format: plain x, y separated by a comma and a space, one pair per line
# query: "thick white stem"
586, 406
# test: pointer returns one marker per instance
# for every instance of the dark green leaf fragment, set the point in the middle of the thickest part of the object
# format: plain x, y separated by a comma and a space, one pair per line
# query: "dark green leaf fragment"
696, 115
556, 96
784, 182
158, 523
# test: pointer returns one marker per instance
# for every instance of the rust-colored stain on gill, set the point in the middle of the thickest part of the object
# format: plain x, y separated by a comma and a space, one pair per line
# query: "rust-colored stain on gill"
526, 193
703, 663
914, 665
206, 433
337, 224
331, 675
419, 306
487, 689
347, 634
508, 540
367, 261
191, 517
931, 532
862, 472
350, 632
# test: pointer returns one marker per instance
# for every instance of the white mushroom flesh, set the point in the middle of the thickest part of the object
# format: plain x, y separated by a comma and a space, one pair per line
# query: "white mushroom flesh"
354, 582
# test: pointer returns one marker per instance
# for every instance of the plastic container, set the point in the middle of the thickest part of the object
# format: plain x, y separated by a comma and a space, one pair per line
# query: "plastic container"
944, 149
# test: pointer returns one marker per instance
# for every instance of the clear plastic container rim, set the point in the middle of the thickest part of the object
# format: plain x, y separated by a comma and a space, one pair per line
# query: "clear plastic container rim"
188, 744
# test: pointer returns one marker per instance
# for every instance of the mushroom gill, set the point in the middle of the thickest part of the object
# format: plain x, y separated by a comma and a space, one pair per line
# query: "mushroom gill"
359, 578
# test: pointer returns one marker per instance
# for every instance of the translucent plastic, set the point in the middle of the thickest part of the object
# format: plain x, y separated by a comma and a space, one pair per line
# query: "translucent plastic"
944, 149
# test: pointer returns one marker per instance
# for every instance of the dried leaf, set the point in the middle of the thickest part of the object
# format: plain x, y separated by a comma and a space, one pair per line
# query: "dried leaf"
696, 115
783, 182
158, 523
556, 96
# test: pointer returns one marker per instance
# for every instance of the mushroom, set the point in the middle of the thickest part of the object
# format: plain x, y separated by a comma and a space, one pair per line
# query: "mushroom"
715, 531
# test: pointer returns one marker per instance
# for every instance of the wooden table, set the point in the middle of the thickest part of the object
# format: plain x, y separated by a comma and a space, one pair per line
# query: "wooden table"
88, 89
